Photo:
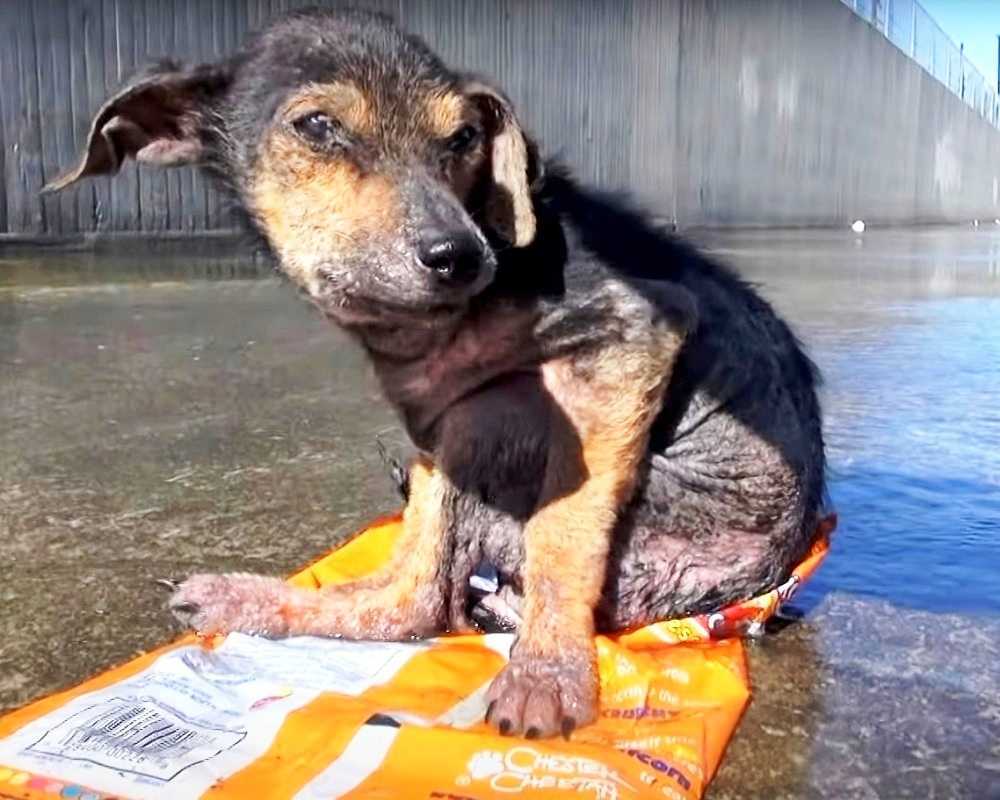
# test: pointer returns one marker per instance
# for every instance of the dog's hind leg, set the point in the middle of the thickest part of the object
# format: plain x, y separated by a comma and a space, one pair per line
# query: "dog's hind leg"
408, 598
710, 525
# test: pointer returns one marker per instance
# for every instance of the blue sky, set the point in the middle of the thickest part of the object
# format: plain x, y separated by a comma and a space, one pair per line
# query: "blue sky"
974, 22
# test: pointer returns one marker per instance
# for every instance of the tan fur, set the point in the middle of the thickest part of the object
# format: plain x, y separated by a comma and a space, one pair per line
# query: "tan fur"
509, 206
606, 404
344, 102
610, 404
511, 209
312, 206
403, 598
446, 112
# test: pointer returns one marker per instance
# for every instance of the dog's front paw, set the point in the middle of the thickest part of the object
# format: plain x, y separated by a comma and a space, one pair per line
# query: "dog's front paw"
541, 696
212, 604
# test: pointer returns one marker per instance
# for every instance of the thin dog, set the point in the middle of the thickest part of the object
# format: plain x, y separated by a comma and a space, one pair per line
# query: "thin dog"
621, 427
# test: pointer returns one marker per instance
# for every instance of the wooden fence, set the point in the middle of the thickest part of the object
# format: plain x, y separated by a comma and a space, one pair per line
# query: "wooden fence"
60, 58
712, 112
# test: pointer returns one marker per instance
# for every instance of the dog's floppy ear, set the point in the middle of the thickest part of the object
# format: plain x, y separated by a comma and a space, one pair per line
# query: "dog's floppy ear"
513, 165
158, 118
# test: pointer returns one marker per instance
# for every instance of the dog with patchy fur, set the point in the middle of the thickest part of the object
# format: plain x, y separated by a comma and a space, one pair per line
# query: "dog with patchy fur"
621, 427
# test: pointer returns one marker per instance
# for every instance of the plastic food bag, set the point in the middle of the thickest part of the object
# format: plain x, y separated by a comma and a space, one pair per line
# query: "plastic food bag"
243, 717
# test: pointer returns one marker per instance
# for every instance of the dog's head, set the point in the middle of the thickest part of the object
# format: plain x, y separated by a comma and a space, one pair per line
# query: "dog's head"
380, 178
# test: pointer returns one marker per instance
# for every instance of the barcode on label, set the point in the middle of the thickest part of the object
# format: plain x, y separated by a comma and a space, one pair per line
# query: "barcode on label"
138, 736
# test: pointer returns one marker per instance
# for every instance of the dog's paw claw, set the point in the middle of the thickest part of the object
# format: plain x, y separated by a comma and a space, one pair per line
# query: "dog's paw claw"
543, 697
211, 604
185, 610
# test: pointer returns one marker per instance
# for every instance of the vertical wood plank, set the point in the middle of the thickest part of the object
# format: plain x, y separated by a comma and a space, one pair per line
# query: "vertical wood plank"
136, 13
197, 20
10, 104
150, 27
213, 217
55, 111
241, 31
97, 90
119, 65
78, 21
657, 47
5, 79
440, 22
61, 114
32, 175
174, 43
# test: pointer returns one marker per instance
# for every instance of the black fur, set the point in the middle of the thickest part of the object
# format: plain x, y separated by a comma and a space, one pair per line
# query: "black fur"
731, 486
734, 477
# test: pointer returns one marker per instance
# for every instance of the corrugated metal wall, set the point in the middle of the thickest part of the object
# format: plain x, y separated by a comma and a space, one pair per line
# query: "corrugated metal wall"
60, 58
713, 112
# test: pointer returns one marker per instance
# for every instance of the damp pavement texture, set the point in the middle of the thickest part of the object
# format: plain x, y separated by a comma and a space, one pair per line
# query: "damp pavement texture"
167, 412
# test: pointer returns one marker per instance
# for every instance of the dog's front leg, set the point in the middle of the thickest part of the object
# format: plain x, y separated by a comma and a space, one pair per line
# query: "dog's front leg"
407, 598
603, 406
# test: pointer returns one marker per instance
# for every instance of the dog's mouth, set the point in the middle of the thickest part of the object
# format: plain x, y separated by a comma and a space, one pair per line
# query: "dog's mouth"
373, 301
355, 309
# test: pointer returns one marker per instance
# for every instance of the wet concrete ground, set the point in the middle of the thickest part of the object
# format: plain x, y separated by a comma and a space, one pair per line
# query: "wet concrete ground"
161, 414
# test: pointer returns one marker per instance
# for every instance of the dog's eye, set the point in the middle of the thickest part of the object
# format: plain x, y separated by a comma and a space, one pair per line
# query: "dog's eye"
317, 127
463, 139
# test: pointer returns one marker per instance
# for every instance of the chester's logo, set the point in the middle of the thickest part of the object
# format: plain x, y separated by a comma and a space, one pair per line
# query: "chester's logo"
522, 768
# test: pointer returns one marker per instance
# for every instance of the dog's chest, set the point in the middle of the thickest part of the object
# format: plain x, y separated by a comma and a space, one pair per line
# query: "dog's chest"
482, 349
493, 446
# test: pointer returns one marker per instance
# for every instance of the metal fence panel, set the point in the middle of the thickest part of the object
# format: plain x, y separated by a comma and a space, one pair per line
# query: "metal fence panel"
909, 26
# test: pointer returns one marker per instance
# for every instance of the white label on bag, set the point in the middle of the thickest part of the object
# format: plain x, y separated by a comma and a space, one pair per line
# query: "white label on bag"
194, 716
140, 736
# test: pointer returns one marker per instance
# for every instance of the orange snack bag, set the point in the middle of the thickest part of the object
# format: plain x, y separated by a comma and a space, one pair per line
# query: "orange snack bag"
322, 718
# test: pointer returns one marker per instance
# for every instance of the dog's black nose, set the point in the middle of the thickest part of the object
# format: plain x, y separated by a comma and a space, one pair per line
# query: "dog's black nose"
454, 258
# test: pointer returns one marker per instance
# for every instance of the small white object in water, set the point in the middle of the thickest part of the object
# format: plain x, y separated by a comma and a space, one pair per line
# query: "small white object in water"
975, 223
858, 226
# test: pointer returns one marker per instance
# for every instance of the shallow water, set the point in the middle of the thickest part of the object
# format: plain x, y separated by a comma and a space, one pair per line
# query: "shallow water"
166, 412
906, 329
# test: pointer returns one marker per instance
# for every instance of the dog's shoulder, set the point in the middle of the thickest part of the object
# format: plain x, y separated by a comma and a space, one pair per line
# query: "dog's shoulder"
593, 245
591, 240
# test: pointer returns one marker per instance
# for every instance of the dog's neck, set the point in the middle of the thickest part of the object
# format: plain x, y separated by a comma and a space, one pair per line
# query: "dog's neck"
425, 366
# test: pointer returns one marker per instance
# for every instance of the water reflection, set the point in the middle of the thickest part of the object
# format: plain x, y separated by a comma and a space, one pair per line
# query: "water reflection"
905, 328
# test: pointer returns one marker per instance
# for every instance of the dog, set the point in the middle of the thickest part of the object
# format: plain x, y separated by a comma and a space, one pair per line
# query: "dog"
623, 428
